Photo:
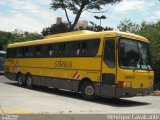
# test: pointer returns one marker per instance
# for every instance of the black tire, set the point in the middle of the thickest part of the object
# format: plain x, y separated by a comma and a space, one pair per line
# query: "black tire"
29, 82
88, 91
20, 80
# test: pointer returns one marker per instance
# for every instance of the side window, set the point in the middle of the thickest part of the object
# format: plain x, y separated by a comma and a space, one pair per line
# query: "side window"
109, 53
63, 50
38, 51
26, 52
56, 50
19, 52
14, 53
72, 49
89, 47
10, 53
45, 50
31, 49
50, 50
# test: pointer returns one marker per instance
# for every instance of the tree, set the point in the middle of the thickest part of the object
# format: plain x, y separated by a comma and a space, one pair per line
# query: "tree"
8, 37
152, 32
24, 37
128, 26
55, 28
97, 28
79, 6
4, 39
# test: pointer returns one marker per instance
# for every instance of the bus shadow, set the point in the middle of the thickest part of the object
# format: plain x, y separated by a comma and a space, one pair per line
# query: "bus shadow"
99, 100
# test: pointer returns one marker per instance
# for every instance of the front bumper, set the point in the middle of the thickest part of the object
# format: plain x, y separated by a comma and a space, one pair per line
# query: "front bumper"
131, 92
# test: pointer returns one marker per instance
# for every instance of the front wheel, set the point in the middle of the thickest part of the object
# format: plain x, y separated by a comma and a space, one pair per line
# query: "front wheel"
88, 91
29, 82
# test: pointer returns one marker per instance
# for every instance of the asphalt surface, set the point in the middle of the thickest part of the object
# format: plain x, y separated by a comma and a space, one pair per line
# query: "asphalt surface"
65, 104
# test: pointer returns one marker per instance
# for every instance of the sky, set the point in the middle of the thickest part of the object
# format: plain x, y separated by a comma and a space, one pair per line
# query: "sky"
34, 15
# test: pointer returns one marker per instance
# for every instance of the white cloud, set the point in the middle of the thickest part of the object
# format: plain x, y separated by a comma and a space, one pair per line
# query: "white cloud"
130, 5
154, 17
27, 15
32, 8
2, 3
9, 23
34, 15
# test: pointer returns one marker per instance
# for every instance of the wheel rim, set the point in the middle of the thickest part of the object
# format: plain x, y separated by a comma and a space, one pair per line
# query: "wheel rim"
29, 82
20, 80
89, 90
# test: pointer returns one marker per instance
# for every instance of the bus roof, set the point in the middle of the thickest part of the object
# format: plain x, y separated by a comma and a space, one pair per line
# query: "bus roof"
70, 33
78, 35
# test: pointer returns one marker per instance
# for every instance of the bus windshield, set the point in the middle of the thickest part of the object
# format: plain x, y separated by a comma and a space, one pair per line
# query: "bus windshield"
133, 54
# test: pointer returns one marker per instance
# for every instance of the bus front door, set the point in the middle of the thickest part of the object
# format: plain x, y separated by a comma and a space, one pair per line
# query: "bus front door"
109, 68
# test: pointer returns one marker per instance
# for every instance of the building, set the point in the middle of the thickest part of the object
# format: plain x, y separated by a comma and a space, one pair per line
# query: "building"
82, 23
18, 31
59, 20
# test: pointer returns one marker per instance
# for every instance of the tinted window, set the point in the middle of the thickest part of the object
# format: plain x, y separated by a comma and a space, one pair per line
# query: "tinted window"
57, 50
9, 53
45, 50
144, 55
72, 49
67, 49
128, 53
37, 51
133, 54
89, 47
109, 53
19, 52
26, 51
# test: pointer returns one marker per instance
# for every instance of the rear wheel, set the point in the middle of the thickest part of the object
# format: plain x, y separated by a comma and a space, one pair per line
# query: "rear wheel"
29, 82
20, 80
88, 91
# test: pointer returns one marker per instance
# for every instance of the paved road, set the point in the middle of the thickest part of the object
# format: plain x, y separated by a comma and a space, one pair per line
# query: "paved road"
18, 100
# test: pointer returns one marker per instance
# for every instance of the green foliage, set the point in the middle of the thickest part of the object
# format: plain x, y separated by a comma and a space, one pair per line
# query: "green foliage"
24, 37
78, 6
7, 37
55, 29
62, 28
128, 26
4, 38
152, 32
97, 28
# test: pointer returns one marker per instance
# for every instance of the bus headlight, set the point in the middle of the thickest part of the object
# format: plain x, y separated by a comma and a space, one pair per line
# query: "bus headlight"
124, 84
128, 84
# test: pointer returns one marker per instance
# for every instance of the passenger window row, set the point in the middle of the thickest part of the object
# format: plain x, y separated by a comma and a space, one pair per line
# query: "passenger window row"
65, 49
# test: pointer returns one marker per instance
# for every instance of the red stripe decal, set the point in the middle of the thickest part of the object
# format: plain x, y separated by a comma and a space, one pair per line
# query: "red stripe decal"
14, 66
78, 76
74, 75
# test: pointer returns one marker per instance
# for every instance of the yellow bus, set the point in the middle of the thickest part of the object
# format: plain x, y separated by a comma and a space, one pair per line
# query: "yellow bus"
108, 63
